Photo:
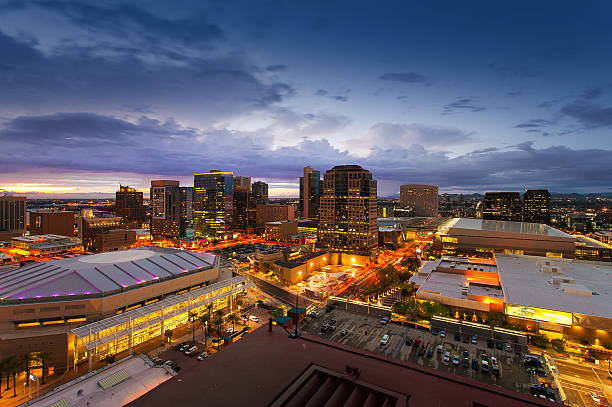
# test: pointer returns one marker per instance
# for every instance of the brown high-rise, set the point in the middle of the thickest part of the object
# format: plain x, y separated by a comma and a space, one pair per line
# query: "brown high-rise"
46, 222
129, 205
423, 198
310, 193
12, 216
347, 209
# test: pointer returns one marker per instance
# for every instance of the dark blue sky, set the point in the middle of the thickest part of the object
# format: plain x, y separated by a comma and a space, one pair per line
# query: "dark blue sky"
471, 96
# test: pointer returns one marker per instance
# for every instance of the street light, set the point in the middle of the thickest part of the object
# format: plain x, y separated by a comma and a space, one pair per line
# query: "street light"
33, 378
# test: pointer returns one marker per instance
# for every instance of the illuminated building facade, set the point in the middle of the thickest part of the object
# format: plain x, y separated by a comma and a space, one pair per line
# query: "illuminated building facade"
298, 267
423, 199
536, 206
502, 206
244, 217
170, 208
12, 216
116, 239
41, 245
348, 210
310, 193
46, 222
129, 205
213, 203
273, 213
107, 303
90, 227
280, 230
260, 191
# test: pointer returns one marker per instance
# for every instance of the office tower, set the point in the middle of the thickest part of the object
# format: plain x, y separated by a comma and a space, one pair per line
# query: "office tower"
187, 203
503, 206
167, 218
90, 227
273, 213
244, 206
348, 209
12, 216
536, 206
49, 222
310, 193
260, 191
129, 205
213, 203
423, 198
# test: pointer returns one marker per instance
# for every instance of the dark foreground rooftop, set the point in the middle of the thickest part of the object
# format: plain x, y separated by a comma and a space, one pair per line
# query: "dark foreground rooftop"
268, 368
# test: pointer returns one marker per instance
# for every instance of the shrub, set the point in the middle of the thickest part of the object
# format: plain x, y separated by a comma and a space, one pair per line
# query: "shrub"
558, 345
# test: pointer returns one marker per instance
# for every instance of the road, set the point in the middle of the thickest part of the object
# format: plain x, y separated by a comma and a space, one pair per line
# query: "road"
579, 381
278, 292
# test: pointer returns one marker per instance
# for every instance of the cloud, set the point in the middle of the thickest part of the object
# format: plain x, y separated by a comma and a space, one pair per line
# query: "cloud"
467, 104
407, 77
340, 98
534, 123
277, 68
588, 114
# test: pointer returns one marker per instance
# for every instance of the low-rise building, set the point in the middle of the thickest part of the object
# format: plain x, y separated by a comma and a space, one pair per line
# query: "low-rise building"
44, 245
116, 239
281, 230
292, 271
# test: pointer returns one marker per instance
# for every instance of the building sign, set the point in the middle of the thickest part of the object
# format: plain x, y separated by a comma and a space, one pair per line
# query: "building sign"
539, 314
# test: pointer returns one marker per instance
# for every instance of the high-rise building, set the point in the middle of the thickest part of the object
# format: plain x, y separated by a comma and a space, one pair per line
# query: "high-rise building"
310, 193
260, 191
273, 213
244, 206
12, 216
536, 206
348, 209
90, 227
423, 198
129, 204
213, 203
48, 222
503, 206
170, 208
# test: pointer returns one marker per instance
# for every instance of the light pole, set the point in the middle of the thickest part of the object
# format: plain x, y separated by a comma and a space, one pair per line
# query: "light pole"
34, 378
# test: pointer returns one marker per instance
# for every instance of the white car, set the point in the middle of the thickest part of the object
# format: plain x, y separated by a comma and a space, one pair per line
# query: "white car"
442, 334
440, 348
253, 318
384, 339
446, 357
229, 331
595, 397
455, 359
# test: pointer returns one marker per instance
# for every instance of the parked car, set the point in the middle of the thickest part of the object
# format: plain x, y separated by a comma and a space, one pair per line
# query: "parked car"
475, 364
446, 357
313, 314
253, 318
466, 338
384, 339
202, 356
229, 331
332, 322
157, 361
185, 347
408, 341
507, 347
485, 366
440, 348
499, 345
244, 318
324, 328
429, 352
465, 361
442, 334
531, 360
518, 349
490, 343
384, 320
434, 331
191, 351
455, 359
331, 328
421, 351
484, 357
495, 369
344, 332
595, 397
457, 336
474, 339
417, 342
178, 346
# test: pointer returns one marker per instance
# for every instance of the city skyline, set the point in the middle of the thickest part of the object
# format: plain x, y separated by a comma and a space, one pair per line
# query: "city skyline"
473, 99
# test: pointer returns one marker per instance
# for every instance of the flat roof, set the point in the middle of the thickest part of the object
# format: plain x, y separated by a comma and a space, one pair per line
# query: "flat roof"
503, 226
263, 365
576, 286
100, 273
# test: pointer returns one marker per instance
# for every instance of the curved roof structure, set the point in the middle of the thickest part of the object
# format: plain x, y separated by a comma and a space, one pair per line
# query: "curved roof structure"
100, 273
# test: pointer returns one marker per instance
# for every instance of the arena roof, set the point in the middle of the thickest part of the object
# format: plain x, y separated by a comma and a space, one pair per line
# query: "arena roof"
524, 228
100, 273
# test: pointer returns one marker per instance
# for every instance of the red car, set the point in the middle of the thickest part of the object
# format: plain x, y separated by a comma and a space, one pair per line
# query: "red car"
417, 342
466, 339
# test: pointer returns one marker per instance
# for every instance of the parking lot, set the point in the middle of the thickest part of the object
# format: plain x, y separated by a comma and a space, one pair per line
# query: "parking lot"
366, 332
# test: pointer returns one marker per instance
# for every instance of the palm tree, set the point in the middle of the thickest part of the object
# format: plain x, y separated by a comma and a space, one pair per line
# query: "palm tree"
7, 369
25, 362
278, 311
218, 323
192, 317
204, 319
233, 318
2, 370
209, 308
43, 357
14, 367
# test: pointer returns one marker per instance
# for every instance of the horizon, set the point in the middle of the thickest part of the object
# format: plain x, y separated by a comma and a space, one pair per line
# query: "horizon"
486, 97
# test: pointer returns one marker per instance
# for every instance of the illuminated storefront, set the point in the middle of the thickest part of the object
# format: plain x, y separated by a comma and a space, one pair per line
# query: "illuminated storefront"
539, 314
124, 331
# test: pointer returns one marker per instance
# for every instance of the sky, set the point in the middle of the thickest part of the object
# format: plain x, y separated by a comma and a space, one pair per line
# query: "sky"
472, 96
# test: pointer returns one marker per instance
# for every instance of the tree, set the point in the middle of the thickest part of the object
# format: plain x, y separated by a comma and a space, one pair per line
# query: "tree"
2, 371
192, 318
558, 345
218, 321
43, 358
495, 319
233, 318
260, 303
14, 367
204, 320
278, 311
25, 363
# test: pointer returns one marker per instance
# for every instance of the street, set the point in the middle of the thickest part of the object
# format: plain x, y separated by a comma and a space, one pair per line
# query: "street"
579, 381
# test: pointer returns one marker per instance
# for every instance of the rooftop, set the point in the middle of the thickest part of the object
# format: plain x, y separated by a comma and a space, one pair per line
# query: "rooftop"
501, 226
270, 369
576, 286
100, 273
